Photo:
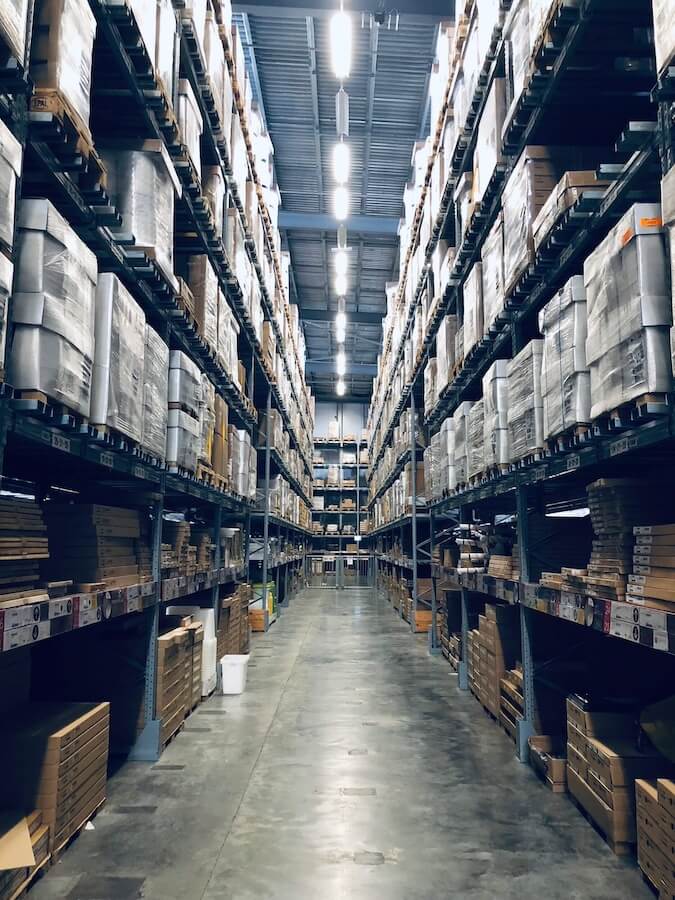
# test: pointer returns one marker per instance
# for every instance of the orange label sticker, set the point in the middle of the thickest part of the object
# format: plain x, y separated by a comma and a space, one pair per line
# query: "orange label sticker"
654, 222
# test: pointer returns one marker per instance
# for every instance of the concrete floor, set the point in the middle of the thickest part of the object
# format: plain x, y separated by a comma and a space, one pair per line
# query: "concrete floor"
351, 768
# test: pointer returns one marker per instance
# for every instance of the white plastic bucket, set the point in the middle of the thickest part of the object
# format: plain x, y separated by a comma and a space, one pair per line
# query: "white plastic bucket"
233, 673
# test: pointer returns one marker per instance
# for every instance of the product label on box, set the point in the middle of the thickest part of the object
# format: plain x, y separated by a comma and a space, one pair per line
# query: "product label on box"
133, 604
28, 634
82, 618
60, 607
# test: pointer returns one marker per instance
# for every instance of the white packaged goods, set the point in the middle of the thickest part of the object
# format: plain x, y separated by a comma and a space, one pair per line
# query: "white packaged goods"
629, 311
445, 351
239, 158
145, 14
495, 411
525, 416
471, 64
464, 204
155, 394
119, 348
61, 52
458, 105
185, 390
488, 151
190, 121
213, 186
668, 215
10, 169
430, 394
142, 183
568, 190
517, 40
447, 455
6, 275
165, 45
664, 32
474, 440
529, 185
215, 63
539, 10
182, 439
52, 308
565, 378
207, 419
203, 282
460, 419
473, 308
488, 19
228, 331
13, 22
492, 262
195, 12
233, 669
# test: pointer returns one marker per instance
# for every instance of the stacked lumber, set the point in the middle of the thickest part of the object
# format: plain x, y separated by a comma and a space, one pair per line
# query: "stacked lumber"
23, 543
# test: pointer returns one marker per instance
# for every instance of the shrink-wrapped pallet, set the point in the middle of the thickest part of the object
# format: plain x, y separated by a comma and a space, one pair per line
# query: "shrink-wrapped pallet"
52, 308
185, 386
155, 394
143, 184
165, 45
517, 43
448, 476
228, 332
445, 352
430, 393
182, 440
216, 67
145, 14
664, 33
474, 440
629, 311
203, 282
488, 152
495, 411
473, 308
460, 417
190, 122
525, 415
6, 275
61, 53
213, 186
10, 169
565, 378
207, 420
464, 204
13, 22
492, 266
119, 348
539, 12
668, 216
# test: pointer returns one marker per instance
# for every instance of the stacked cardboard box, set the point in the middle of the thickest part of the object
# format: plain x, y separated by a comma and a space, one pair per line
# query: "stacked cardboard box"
201, 539
525, 406
58, 756
565, 194
547, 757
173, 691
496, 648
603, 763
655, 806
185, 398
94, 544
23, 543
176, 536
652, 579
195, 632
12, 881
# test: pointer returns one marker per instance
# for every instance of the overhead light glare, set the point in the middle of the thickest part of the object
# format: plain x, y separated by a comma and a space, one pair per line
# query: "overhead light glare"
340, 335
341, 363
340, 285
341, 321
341, 262
341, 163
340, 388
341, 203
341, 44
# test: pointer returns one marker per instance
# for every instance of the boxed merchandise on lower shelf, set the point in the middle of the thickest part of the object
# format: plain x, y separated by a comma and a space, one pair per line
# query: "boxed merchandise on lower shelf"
656, 833
494, 648
14, 879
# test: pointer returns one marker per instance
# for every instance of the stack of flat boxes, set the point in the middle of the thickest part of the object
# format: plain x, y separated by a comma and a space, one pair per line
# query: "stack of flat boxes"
58, 756
602, 766
12, 881
496, 648
177, 536
655, 804
23, 543
173, 687
653, 577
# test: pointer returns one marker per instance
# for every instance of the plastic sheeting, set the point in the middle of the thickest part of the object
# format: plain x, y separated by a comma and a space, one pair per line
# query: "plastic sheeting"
228, 331
142, 187
182, 440
629, 311
668, 212
448, 475
215, 62
474, 441
6, 275
565, 378
13, 21
445, 351
117, 381
460, 418
164, 50
664, 32
203, 282
525, 416
213, 185
473, 308
495, 414
10, 168
52, 308
488, 152
492, 261
185, 387
62, 51
190, 122
155, 394
430, 395
207, 419
517, 39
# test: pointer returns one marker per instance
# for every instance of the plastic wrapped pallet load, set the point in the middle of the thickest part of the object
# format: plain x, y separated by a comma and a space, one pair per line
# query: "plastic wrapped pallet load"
460, 418
473, 308
207, 420
495, 410
474, 440
492, 274
165, 45
13, 22
448, 479
185, 388
629, 311
203, 282
565, 378
52, 308
10, 168
445, 352
6, 276
525, 415
488, 153
119, 348
668, 215
143, 185
155, 394
664, 33
190, 122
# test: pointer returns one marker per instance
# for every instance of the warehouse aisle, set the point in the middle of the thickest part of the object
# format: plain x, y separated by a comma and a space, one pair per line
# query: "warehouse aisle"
351, 768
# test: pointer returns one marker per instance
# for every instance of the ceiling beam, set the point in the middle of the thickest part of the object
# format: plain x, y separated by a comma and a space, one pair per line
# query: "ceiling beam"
326, 315
300, 221
414, 10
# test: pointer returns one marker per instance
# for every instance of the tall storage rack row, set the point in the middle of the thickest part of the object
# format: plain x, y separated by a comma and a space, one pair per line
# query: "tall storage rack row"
595, 626
55, 453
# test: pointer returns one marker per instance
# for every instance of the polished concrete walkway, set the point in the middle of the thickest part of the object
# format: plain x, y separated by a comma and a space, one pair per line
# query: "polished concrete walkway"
351, 768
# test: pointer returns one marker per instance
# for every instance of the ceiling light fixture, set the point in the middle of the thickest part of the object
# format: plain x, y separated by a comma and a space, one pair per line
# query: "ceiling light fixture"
341, 321
341, 163
341, 363
341, 262
340, 335
340, 285
340, 388
341, 44
341, 203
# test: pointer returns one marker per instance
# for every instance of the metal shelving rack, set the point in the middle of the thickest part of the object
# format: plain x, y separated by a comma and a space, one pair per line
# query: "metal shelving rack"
42, 452
644, 138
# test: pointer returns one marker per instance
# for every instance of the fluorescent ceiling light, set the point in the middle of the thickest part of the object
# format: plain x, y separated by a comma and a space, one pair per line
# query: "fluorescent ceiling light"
341, 262
340, 335
341, 203
340, 285
341, 321
341, 44
341, 363
340, 388
341, 163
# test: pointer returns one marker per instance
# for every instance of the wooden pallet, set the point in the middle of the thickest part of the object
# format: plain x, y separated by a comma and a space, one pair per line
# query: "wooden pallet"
56, 853
619, 848
39, 870
37, 403
569, 439
111, 437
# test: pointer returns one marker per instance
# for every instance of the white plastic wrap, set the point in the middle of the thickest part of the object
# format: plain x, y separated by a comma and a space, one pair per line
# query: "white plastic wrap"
430, 394
495, 412
142, 184
62, 51
445, 351
10, 168
471, 64
185, 389
664, 32
525, 416
539, 10
517, 38
473, 308
195, 11
228, 331
119, 348
492, 261
668, 214
215, 63
6, 275
213, 186
460, 419
629, 311
447, 455
13, 22
207, 419
145, 13
474, 442
203, 282
488, 152
190, 121
182, 440
565, 378
464, 203
165, 44
52, 308
155, 394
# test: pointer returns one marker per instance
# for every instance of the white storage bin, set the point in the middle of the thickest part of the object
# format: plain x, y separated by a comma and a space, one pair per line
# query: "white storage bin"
233, 668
